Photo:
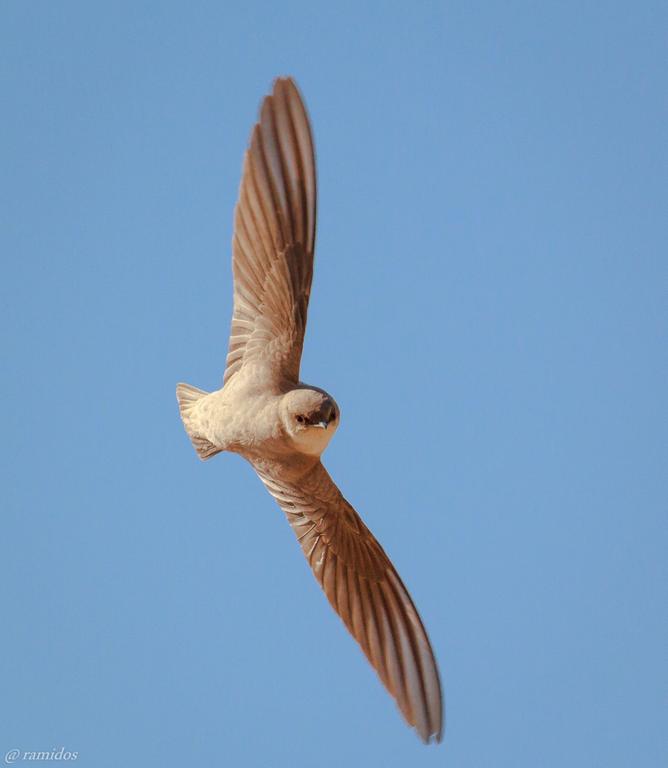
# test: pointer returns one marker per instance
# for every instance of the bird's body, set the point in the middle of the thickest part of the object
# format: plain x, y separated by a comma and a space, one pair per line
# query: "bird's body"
246, 419
281, 426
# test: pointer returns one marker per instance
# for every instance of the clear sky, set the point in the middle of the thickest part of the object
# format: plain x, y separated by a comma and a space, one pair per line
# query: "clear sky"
489, 310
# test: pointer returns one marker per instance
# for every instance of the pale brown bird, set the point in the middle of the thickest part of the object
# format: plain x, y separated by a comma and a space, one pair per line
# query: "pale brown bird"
282, 426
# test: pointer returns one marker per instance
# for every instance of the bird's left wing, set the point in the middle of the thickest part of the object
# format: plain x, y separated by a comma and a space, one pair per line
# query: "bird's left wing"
365, 590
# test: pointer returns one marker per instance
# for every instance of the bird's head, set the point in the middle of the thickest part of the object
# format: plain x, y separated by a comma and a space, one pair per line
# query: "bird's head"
310, 418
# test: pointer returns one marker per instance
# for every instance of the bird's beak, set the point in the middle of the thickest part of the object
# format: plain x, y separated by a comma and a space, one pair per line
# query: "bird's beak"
322, 424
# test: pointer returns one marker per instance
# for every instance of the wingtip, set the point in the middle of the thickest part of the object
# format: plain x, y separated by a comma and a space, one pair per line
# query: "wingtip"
431, 738
285, 82
436, 736
284, 90
287, 79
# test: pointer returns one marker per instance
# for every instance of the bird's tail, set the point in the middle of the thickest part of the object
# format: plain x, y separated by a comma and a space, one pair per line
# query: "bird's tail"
187, 397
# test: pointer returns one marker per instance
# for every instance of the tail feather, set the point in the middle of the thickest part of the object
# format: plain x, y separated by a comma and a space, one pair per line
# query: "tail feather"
187, 397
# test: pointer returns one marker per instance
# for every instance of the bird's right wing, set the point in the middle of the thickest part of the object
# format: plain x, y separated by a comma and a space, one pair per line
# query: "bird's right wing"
274, 239
365, 590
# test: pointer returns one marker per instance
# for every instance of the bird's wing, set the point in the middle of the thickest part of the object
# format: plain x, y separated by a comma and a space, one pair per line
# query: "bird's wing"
274, 239
365, 590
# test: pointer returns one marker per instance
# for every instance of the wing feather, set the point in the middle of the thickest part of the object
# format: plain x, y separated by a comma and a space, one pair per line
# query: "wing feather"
365, 590
274, 239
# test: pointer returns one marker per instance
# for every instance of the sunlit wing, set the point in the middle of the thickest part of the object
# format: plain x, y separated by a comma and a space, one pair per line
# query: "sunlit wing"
365, 590
274, 238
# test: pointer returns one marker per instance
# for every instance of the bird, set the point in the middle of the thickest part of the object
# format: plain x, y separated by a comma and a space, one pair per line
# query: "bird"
281, 426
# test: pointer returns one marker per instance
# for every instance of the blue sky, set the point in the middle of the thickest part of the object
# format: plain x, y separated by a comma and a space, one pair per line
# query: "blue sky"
490, 273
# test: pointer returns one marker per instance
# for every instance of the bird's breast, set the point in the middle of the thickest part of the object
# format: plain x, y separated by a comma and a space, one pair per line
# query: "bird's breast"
314, 440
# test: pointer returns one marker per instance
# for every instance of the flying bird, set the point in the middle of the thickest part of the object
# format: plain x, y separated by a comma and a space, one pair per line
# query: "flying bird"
265, 413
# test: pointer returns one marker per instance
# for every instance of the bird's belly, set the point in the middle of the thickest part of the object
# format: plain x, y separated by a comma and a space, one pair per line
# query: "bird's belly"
244, 423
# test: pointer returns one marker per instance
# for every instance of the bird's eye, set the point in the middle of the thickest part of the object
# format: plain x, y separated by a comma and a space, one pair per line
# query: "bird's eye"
300, 419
